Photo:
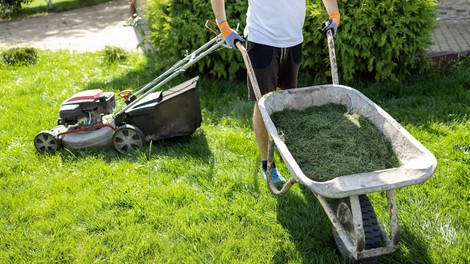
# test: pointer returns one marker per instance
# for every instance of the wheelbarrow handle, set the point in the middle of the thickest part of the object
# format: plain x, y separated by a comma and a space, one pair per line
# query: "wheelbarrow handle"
250, 70
256, 90
331, 49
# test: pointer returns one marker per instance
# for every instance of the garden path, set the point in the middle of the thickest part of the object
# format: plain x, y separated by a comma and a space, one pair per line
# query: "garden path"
83, 29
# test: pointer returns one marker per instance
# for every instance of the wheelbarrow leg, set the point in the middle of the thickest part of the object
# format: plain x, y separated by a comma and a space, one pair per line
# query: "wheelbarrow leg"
341, 225
395, 227
272, 186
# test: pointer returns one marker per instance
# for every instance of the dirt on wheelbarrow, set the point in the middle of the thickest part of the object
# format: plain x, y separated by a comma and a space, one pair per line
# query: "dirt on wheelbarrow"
327, 142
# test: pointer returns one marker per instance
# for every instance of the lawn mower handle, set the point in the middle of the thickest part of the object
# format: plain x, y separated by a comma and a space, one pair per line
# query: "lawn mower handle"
171, 73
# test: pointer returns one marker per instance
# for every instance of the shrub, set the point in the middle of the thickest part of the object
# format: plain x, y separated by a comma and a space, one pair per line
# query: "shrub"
113, 54
177, 27
20, 55
9, 7
384, 39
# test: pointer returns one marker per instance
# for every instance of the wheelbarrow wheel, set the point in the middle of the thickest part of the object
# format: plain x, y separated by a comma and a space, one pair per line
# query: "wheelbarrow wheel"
45, 141
370, 224
127, 139
371, 228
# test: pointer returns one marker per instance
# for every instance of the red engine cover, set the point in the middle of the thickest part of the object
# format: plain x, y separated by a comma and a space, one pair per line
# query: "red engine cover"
86, 96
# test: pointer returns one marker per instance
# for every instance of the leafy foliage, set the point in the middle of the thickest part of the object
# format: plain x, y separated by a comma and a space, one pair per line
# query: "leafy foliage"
376, 39
114, 54
179, 26
385, 39
24, 55
9, 7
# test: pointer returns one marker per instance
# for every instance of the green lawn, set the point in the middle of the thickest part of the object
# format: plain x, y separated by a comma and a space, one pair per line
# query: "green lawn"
201, 199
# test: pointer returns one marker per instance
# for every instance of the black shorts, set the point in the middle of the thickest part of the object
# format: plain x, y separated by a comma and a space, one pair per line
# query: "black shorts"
274, 67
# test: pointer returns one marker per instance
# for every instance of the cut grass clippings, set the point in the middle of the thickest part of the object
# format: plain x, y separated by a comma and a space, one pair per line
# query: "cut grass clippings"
327, 142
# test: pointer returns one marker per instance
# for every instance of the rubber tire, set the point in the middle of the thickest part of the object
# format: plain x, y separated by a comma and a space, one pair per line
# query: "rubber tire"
373, 238
128, 138
45, 141
370, 224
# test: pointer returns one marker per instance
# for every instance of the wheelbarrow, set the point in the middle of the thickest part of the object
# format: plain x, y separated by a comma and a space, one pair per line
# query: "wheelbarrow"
357, 232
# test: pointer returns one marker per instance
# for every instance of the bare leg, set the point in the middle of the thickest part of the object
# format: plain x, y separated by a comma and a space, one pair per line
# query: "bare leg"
260, 132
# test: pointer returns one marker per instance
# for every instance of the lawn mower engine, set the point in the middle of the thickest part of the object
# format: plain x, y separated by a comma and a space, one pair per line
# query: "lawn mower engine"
86, 108
80, 123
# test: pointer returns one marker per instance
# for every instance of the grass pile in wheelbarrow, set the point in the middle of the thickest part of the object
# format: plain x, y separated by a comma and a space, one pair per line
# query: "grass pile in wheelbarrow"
327, 142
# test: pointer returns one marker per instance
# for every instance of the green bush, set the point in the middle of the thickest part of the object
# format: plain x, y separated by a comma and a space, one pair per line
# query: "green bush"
382, 40
114, 54
20, 55
9, 7
385, 39
178, 27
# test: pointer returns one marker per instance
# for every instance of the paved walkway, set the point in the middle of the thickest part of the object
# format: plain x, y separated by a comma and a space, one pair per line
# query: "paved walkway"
92, 28
83, 29
452, 37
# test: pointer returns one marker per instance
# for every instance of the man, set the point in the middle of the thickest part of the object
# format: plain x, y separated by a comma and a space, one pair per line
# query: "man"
274, 34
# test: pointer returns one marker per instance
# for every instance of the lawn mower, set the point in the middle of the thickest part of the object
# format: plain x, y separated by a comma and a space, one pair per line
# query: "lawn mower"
86, 119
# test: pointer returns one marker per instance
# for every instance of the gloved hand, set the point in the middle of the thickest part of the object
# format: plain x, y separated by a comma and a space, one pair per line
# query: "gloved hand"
331, 24
230, 36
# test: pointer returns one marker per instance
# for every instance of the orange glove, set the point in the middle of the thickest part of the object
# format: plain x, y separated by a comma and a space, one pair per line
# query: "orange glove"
331, 24
230, 36
335, 17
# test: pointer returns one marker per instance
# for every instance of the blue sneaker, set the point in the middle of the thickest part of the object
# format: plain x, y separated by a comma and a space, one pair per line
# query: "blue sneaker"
277, 177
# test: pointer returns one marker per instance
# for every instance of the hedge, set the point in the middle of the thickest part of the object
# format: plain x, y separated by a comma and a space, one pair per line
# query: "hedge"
9, 7
377, 39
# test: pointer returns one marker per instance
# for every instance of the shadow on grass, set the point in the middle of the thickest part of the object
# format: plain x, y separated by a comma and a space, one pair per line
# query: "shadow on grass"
193, 146
311, 231
309, 228
412, 249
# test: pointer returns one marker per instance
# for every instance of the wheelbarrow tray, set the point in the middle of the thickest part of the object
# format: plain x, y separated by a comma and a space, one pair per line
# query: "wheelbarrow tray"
416, 162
